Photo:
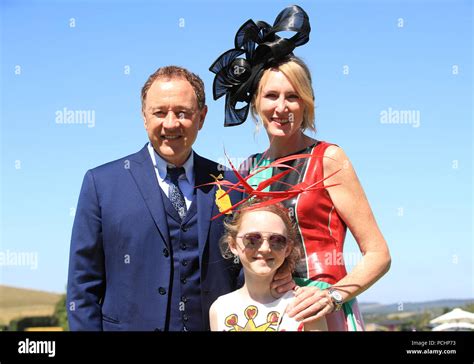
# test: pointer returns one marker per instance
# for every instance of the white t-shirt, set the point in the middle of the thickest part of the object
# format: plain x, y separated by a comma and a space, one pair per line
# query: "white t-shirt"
238, 313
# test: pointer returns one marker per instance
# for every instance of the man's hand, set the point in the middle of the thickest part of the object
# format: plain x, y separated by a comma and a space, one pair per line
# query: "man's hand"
310, 304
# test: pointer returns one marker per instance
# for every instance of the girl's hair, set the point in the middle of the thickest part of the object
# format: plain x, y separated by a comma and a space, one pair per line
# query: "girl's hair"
299, 76
232, 227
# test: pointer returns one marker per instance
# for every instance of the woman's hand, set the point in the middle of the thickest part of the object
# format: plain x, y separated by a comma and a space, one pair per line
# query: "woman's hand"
310, 304
282, 283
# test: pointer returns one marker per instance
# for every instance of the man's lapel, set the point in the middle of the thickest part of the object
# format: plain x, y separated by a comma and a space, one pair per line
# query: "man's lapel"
205, 196
143, 172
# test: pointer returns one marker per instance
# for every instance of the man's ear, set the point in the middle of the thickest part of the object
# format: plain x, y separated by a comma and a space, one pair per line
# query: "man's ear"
144, 118
202, 116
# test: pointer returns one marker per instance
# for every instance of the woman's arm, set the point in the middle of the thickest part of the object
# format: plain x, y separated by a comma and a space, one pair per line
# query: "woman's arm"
353, 207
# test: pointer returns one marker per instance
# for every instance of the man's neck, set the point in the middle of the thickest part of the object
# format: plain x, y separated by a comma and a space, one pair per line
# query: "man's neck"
175, 161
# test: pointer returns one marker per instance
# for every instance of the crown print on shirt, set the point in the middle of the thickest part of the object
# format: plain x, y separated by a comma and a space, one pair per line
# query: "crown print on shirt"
251, 312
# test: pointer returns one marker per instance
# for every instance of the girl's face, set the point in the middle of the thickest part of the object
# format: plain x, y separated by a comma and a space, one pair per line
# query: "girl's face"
261, 243
280, 106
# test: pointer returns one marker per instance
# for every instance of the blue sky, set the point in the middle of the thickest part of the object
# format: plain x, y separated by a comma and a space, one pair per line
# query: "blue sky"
367, 58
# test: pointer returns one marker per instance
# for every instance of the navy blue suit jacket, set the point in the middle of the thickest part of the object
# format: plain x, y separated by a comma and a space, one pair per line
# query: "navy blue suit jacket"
119, 264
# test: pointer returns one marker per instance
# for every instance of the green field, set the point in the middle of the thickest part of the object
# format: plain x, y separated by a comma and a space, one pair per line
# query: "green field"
18, 302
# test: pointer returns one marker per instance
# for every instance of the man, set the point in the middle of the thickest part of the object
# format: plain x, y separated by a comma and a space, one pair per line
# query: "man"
144, 251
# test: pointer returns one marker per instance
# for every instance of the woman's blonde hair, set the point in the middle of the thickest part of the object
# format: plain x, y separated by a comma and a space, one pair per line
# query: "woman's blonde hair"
299, 76
232, 227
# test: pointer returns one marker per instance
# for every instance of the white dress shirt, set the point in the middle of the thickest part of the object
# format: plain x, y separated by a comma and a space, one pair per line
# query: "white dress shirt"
185, 182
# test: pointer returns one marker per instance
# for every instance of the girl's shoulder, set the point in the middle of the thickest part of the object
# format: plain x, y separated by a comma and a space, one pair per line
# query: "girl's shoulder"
229, 297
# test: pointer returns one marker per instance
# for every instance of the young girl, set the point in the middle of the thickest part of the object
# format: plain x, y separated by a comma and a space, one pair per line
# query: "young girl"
263, 239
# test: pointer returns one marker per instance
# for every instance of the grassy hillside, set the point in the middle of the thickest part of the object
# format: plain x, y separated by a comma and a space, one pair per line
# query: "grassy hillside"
19, 302
411, 315
413, 307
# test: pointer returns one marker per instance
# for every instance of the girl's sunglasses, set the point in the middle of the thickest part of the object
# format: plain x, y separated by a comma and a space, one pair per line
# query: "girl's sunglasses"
255, 239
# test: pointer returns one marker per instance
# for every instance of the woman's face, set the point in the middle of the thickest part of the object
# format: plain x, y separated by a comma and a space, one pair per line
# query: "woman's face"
263, 256
280, 107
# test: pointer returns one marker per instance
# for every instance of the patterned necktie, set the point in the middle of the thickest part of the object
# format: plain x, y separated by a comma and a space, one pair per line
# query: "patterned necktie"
175, 195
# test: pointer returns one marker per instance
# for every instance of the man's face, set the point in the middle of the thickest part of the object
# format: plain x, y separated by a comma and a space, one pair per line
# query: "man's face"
172, 118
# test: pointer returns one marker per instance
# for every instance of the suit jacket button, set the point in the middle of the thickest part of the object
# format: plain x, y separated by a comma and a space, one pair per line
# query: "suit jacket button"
161, 291
184, 228
166, 253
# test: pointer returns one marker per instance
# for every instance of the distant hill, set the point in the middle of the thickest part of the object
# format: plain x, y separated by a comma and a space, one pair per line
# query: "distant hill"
20, 302
376, 308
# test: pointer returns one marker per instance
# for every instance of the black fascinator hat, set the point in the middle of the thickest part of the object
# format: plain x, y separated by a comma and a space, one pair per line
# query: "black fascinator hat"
258, 42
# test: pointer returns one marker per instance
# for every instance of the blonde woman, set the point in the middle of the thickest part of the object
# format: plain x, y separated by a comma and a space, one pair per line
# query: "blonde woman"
277, 87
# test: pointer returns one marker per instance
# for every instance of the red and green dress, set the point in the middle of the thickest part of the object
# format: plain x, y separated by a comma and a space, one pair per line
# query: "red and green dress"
322, 231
